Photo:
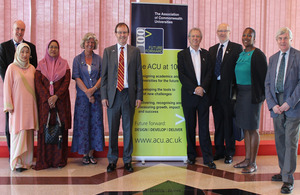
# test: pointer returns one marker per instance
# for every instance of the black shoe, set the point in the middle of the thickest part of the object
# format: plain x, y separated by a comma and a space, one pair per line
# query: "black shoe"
287, 188
128, 167
276, 177
228, 160
111, 167
217, 157
211, 165
20, 169
191, 161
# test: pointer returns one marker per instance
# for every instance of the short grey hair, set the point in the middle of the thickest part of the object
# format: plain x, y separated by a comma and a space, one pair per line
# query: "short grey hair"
196, 29
284, 30
88, 36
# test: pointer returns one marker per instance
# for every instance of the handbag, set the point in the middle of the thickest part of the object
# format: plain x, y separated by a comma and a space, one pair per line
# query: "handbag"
53, 133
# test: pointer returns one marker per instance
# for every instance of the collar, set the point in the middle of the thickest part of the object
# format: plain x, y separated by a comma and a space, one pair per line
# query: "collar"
191, 49
224, 44
119, 46
16, 42
287, 52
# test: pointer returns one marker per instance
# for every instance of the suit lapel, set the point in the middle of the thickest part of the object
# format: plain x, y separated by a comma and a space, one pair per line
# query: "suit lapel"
214, 51
115, 56
203, 66
273, 72
290, 62
12, 48
129, 51
227, 52
190, 63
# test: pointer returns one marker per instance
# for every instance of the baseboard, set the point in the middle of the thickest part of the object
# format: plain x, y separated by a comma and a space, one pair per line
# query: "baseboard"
266, 147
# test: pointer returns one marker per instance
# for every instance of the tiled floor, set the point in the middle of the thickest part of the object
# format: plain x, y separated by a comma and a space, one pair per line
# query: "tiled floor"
151, 178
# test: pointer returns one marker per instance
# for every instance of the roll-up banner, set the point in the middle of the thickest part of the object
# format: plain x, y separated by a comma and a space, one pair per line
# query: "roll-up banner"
160, 32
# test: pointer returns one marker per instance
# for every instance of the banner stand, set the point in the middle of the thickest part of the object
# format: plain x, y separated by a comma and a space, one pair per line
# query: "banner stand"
160, 32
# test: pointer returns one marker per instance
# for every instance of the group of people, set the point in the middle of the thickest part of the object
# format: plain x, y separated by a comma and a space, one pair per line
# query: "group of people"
38, 93
235, 82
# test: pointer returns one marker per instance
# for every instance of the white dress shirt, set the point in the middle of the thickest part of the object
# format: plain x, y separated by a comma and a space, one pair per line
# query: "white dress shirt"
197, 63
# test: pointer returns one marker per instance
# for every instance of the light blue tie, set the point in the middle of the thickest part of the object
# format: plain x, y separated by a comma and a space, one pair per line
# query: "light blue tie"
280, 76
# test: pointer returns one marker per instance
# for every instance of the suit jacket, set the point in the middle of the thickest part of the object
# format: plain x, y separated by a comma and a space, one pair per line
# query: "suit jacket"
227, 70
291, 91
109, 74
7, 54
187, 75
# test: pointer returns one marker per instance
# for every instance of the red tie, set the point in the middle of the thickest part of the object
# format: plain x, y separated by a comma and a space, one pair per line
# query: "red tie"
120, 84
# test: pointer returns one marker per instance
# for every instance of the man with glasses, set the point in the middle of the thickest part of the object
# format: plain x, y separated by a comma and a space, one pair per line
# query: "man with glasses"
121, 92
224, 56
7, 52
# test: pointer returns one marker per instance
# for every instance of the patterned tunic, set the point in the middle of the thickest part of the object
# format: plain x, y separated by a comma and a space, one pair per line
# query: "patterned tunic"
49, 155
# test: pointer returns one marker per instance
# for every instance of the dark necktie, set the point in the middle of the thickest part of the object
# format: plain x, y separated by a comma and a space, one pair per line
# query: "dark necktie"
120, 84
16, 44
280, 76
219, 61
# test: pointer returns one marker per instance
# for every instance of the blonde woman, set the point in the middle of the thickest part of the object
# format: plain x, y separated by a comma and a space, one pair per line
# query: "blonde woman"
88, 133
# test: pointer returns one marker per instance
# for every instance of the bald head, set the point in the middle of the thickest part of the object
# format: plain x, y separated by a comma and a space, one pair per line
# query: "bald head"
18, 30
223, 32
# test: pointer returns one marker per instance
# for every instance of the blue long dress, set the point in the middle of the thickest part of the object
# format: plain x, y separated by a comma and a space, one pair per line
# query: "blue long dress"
88, 131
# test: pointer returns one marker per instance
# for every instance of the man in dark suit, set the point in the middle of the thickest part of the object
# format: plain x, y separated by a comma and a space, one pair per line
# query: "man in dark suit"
7, 52
195, 71
224, 56
282, 86
121, 91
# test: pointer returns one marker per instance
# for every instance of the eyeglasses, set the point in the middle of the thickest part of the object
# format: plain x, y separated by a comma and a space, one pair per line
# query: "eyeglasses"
122, 32
53, 47
222, 31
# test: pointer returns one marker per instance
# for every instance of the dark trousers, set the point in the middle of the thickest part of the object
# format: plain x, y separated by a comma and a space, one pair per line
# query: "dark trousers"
223, 118
200, 108
120, 109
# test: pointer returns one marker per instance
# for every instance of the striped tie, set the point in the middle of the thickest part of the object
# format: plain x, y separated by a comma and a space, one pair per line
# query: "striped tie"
120, 84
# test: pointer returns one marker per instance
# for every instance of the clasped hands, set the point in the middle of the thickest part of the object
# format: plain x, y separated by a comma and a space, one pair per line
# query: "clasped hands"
89, 93
52, 100
199, 91
280, 109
